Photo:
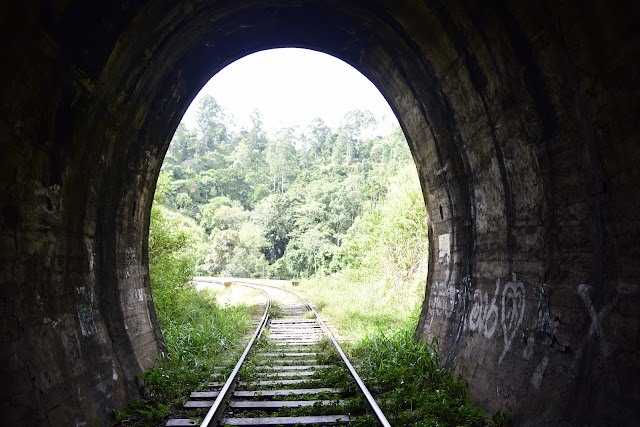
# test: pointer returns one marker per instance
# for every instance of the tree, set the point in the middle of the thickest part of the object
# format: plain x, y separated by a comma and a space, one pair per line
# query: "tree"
208, 220
348, 144
257, 137
309, 215
211, 125
223, 243
318, 147
230, 182
356, 121
281, 158
391, 238
342, 149
229, 218
252, 165
183, 201
247, 259
274, 215
309, 253
183, 144
291, 205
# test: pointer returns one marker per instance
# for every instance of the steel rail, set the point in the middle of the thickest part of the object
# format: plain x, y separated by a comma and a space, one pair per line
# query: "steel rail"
218, 406
370, 400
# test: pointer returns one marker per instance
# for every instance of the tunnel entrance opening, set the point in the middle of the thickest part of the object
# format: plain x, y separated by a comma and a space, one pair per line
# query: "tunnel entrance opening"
335, 205
328, 207
297, 199
521, 118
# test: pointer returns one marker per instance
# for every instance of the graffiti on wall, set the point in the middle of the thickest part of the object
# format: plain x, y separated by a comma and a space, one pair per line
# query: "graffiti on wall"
512, 313
485, 313
597, 316
442, 300
497, 312
84, 305
501, 311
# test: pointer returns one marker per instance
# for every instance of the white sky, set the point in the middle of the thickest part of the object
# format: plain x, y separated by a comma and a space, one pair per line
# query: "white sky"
290, 87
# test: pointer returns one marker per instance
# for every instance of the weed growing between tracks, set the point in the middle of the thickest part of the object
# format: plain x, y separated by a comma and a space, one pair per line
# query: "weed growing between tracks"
407, 381
275, 311
377, 324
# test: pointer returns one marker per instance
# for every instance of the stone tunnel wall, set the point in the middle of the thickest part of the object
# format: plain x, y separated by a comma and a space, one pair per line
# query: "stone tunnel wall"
521, 117
545, 323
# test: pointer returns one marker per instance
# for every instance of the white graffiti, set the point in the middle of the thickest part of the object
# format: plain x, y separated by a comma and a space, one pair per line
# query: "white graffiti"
538, 374
513, 305
463, 298
443, 297
597, 317
84, 307
134, 296
484, 315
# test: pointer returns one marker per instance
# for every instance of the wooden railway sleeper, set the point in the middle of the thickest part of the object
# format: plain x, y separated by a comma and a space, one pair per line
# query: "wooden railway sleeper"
285, 378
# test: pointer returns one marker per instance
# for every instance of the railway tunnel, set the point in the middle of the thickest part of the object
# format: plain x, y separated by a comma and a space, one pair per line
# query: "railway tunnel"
522, 118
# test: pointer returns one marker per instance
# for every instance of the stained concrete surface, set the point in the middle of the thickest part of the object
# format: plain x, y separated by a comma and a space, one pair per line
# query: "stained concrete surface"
522, 118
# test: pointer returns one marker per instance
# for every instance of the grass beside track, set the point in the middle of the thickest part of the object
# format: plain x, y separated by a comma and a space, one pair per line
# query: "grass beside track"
202, 336
377, 322
405, 376
360, 305
412, 387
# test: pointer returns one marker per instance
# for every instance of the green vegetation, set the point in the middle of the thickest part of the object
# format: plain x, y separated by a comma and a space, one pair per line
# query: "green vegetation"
411, 385
290, 205
386, 250
198, 332
405, 376
343, 211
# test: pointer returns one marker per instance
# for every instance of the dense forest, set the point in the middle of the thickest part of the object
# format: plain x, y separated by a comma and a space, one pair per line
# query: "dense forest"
341, 209
291, 203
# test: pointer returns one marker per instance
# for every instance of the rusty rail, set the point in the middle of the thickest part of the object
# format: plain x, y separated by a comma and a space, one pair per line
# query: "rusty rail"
216, 411
370, 400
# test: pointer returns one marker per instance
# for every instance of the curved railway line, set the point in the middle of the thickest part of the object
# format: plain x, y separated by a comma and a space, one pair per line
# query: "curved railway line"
286, 378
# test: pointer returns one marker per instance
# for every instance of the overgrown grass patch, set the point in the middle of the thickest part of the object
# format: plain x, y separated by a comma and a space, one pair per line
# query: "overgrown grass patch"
361, 304
405, 376
199, 336
412, 387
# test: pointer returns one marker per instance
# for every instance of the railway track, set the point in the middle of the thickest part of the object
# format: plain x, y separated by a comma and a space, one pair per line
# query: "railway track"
286, 376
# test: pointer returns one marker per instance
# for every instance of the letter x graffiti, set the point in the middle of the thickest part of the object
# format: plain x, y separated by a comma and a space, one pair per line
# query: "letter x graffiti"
597, 317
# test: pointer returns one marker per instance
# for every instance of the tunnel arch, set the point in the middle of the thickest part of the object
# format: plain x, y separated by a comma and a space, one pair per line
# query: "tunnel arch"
510, 112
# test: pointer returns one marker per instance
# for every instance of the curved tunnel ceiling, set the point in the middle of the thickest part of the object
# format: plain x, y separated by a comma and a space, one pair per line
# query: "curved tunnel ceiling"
522, 123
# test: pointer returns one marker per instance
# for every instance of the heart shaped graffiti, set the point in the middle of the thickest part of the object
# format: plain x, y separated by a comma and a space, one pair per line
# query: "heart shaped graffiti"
513, 304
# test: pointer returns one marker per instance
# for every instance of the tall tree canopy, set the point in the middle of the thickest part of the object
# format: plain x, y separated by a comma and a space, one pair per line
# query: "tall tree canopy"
291, 203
